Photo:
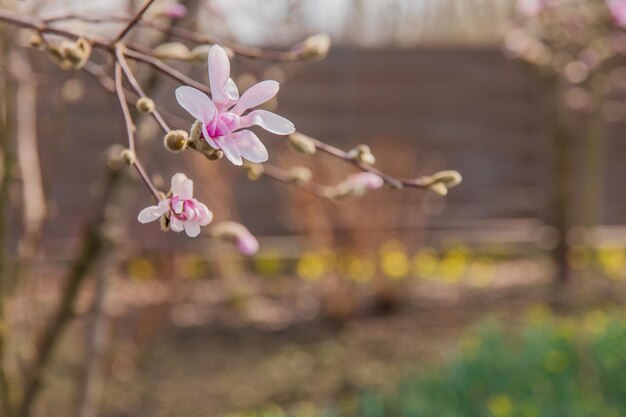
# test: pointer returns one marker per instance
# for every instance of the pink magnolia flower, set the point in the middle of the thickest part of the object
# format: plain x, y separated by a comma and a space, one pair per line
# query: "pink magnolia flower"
618, 11
223, 116
183, 211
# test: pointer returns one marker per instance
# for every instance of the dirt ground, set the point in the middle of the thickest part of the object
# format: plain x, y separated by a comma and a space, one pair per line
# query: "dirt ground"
180, 354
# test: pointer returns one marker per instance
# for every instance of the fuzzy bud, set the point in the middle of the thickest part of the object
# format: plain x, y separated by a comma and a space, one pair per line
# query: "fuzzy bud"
128, 156
238, 234
254, 171
302, 143
449, 178
114, 157
145, 105
77, 53
36, 41
200, 53
172, 50
316, 46
363, 154
300, 175
176, 140
438, 188
195, 132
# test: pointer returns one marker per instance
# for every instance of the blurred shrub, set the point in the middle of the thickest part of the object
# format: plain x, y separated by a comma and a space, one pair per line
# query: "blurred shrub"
554, 368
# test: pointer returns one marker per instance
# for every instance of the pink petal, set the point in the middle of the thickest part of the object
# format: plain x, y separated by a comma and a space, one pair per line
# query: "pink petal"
152, 213
192, 228
182, 186
232, 91
250, 146
176, 225
206, 214
269, 121
208, 138
198, 104
229, 147
219, 71
255, 95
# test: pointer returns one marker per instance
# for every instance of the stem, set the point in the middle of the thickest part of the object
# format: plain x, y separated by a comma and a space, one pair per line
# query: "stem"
140, 92
133, 21
167, 70
130, 131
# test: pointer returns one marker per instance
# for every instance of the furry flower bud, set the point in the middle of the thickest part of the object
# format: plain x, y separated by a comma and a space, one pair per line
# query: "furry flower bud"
172, 50
302, 143
362, 153
145, 105
176, 140
316, 46
300, 175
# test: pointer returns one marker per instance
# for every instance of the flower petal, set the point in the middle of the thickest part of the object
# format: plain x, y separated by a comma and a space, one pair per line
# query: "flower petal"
229, 147
152, 213
269, 121
219, 71
232, 91
198, 104
208, 138
192, 228
182, 186
176, 224
206, 214
255, 95
250, 146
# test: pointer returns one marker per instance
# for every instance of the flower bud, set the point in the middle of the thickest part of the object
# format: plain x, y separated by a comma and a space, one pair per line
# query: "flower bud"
128, 156
238, 234
77, 53
174, 11
316, 46
363, 154
302, 143
254, 171
439, 188
145, 105
368, 180
200, 53
176, 140
449, 178
36, 41
300, 175
172, 50
195, 132
114, 157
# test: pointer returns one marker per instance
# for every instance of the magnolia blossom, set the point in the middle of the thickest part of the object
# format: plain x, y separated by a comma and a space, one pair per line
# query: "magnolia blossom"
225, 115
618, 11
183, 211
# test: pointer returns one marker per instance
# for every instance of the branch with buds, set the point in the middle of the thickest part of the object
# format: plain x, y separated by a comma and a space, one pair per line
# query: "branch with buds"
221, 116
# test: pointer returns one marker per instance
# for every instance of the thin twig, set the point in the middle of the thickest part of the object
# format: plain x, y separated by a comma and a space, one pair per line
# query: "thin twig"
137, 87
133, 21
167, 70
130, 131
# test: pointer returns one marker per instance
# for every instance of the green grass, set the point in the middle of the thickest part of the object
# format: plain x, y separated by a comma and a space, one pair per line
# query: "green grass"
551, 368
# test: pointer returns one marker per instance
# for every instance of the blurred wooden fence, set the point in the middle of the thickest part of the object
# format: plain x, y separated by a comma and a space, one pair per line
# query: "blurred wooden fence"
471, 110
